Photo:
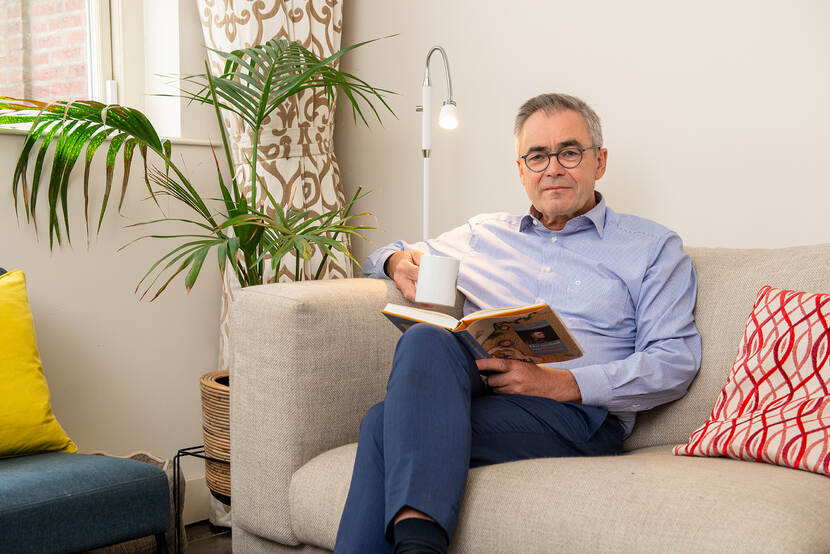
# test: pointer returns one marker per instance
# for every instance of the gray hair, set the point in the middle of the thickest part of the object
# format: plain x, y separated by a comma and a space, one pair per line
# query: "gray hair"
554, 102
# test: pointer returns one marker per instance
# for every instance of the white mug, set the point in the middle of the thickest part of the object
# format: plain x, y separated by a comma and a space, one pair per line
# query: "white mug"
437, 279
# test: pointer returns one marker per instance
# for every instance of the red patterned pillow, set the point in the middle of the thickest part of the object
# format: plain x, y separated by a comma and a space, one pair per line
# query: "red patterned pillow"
775, 406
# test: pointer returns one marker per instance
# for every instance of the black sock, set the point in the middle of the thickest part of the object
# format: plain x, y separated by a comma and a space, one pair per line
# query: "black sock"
415, 535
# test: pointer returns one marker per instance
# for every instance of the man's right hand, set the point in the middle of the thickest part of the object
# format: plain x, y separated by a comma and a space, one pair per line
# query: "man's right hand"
402, 267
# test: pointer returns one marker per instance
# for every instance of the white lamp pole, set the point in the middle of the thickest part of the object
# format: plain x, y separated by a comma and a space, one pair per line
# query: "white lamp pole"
448, 119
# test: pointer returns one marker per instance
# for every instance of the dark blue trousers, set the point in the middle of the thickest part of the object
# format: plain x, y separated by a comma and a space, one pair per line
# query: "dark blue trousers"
438, 420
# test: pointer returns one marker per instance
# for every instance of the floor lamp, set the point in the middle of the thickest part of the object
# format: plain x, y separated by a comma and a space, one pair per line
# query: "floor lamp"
447, 119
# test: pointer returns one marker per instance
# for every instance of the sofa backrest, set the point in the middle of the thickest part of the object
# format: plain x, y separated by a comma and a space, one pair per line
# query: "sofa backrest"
728, 282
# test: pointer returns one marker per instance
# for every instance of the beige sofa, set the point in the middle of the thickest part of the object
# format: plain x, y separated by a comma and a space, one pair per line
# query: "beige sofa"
308, 360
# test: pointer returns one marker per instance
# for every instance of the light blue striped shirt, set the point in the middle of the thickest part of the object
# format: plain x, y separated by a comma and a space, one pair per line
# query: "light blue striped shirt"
622, 284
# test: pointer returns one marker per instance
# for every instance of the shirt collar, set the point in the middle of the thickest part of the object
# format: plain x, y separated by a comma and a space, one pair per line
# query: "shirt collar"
595, 216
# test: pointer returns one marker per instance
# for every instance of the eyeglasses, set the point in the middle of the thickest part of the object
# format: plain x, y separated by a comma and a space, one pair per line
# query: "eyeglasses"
568, 158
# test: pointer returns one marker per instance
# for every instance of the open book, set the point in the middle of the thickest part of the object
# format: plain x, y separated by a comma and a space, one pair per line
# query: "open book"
532, 333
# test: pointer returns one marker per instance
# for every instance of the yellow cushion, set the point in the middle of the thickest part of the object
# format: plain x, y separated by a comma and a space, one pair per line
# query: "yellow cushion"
27, 425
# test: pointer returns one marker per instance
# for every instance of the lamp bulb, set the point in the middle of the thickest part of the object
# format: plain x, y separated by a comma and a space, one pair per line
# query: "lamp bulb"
448, 118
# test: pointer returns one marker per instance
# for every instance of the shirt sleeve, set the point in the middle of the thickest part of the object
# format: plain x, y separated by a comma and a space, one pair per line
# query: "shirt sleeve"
454, 243
667, 347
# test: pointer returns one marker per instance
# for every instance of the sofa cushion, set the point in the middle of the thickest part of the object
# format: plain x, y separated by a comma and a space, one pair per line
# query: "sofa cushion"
647, 500
59, 502
27, 424
775, 407
728, 280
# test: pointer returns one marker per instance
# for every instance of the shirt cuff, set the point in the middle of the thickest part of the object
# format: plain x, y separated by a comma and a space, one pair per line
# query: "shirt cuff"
593, 383
373, 266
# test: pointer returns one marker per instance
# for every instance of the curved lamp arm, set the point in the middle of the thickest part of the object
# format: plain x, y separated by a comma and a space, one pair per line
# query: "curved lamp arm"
446, 70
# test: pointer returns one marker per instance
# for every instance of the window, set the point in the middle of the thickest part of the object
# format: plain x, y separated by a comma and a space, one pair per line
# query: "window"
47, 49
113, 51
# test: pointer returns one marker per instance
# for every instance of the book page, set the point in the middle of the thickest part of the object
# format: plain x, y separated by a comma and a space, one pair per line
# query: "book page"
421, 315
530, 337
491, 312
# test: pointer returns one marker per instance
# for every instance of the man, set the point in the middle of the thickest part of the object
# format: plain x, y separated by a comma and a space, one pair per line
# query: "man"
623, 286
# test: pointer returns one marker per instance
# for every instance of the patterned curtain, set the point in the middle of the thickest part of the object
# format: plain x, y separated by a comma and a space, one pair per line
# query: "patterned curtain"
296, 154
296, 158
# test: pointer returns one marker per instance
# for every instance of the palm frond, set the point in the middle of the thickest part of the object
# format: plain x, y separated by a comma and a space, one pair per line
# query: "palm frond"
92, 146
184, 192
22, 164
46, 140
75, 124
256, 80
66, 154
185, 251
112, 152
127, 157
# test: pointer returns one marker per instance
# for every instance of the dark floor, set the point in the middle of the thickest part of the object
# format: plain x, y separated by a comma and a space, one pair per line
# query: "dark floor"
204, 538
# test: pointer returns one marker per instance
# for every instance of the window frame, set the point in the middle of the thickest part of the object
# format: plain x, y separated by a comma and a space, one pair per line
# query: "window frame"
99, 52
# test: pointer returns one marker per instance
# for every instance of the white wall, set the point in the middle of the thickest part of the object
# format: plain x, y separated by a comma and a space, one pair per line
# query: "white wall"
715, 114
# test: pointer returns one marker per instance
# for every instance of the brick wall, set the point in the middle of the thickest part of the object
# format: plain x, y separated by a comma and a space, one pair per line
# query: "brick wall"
43, 47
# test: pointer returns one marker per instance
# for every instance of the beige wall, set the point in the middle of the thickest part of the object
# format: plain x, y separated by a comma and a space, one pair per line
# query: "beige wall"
715, 113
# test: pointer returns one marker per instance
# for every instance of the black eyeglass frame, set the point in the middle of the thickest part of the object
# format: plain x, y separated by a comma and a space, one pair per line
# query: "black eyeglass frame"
556, 155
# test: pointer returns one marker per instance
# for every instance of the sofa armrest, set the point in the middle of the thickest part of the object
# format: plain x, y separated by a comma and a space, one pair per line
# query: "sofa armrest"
308, 360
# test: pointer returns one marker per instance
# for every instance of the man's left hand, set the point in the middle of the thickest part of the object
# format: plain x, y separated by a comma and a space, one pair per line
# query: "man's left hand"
515, 377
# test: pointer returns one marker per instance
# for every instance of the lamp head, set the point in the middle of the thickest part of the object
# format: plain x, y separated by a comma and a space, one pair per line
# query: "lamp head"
448, 118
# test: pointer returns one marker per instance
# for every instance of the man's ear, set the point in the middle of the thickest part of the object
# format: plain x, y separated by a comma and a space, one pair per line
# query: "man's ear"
602, 160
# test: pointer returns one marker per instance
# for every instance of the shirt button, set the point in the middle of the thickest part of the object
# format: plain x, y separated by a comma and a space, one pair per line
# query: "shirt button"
546, 269
553, 239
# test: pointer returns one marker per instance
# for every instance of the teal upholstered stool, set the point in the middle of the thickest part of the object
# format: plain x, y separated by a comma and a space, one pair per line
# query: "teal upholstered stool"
59, 502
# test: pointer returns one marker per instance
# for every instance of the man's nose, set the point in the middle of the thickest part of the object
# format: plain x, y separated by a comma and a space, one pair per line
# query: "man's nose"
554, 167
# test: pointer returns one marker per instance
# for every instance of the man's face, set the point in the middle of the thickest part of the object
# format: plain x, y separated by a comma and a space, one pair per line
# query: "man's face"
559, 193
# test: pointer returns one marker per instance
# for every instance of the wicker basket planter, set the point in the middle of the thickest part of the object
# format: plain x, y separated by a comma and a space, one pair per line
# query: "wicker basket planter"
216, 428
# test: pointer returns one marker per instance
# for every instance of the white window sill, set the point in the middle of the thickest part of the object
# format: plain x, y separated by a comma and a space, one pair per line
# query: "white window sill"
174, 140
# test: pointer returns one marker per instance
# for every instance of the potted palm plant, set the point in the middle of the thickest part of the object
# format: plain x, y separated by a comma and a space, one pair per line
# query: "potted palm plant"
246, 235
